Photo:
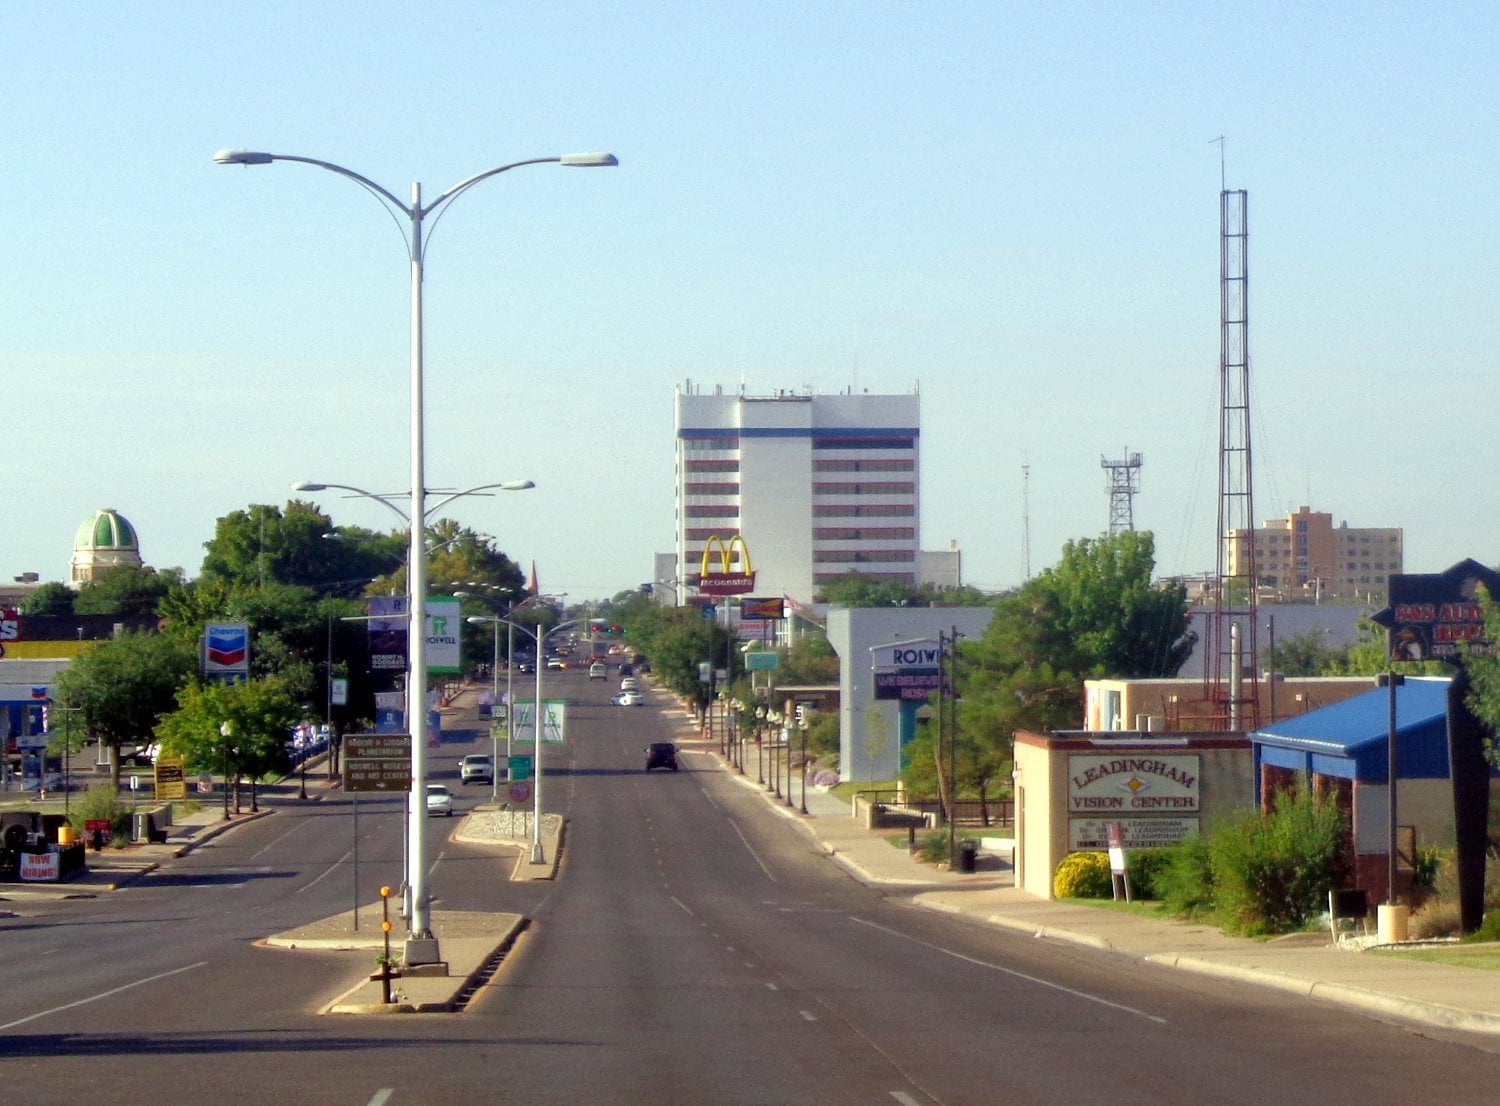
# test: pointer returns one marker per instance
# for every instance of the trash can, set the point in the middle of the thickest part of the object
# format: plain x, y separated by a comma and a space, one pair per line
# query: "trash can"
968, 855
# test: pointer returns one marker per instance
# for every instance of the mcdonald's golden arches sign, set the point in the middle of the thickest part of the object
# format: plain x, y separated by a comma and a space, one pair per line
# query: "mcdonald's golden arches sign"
725, 581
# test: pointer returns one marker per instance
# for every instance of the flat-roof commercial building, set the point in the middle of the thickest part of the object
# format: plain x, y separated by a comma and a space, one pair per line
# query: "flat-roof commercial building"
818, 486
1304, 556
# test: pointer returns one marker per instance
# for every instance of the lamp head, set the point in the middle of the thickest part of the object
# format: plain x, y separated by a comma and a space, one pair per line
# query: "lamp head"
585, 161
242, 157
309, 486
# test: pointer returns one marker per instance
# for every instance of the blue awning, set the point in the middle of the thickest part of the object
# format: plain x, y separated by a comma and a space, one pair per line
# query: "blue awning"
1348, 739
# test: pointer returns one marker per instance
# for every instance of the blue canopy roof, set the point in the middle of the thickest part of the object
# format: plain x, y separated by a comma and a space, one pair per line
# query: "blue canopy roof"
1348, 739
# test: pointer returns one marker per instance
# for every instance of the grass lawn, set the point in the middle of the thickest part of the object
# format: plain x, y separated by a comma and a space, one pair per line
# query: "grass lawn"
1485, 956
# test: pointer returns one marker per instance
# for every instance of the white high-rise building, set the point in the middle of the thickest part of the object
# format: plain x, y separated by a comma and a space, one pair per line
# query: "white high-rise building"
818, 486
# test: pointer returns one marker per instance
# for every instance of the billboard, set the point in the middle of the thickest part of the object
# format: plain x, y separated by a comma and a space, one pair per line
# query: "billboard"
443, 624
388, 614
1433, 615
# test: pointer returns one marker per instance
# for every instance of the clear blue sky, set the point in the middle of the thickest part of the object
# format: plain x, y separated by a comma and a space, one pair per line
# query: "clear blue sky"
1011, 206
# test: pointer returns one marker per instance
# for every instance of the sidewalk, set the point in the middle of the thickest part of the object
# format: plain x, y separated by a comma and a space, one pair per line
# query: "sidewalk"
1306, 964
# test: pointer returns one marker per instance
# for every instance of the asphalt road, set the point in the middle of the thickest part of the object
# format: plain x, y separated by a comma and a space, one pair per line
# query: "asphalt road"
693, 949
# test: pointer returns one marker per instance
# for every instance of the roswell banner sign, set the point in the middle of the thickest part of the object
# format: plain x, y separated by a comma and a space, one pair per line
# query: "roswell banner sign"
725, 581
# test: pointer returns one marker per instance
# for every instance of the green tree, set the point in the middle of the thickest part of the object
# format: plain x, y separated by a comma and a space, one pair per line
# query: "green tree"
1095, 613
124, 685
50, 599
857, 589
1307, 654
127, 589
299, 546
260, 714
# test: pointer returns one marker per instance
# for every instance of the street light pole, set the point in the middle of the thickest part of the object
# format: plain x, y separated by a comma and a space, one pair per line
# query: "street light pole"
421, 947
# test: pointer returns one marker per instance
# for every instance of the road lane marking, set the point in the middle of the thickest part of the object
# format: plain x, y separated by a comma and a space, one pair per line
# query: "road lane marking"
808, 1015
1012, 972
682, 906
751, 850
381, 1096
271, 844
101, 995
771, 986
904, 1098
326, 873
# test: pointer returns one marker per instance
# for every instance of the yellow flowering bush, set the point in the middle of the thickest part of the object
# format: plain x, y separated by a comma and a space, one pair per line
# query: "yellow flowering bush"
1083, 876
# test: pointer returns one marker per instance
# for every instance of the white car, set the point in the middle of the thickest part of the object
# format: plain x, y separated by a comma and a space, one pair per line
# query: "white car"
597, 671
629, 699
439, 800
476, 768
630, 683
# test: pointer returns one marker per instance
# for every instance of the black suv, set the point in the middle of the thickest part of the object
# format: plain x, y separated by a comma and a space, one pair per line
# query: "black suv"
661, 754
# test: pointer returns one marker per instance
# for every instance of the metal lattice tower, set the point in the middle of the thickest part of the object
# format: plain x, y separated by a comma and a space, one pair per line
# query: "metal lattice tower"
1124, 482
1026, 518
1230, 674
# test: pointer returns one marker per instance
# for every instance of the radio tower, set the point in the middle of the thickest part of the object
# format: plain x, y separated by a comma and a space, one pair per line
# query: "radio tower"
1233, 661
1026, 518
1124, 482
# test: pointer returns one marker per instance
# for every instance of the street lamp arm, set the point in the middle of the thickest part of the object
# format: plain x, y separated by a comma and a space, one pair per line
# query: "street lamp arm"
479, 489
256, 157
578, 160
357, 493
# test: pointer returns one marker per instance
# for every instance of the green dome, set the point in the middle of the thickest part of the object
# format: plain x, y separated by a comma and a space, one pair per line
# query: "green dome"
107, 529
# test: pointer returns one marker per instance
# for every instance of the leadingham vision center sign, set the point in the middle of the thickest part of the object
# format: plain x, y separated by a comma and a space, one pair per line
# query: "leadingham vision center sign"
1155, 798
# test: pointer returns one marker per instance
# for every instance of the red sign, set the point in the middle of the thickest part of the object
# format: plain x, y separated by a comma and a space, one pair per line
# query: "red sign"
520, 792
726, 583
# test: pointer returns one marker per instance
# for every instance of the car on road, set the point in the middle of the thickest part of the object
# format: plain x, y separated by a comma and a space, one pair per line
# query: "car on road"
439, 800
476, 768
597, 671
556, 664
661, 754
626, 670
629, 699
630, 683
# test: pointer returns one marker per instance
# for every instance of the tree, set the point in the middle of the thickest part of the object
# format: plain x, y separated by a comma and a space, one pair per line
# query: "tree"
259, 714
1095, 613
298, 546
858, 589
49, 599
124, 685
127, 589
1306, 654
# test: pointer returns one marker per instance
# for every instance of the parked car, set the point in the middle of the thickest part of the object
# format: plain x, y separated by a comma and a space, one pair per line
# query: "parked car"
597, 671
661, 754
476, 768
439, 800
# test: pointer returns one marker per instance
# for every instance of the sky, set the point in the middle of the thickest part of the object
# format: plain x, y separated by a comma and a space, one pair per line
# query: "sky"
1009, 207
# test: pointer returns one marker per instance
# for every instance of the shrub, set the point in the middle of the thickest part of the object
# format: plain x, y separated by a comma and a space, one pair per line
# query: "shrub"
100, 803
1185, 882
1271, 872
1146, 867
1083, 876
1438, 915
932, 846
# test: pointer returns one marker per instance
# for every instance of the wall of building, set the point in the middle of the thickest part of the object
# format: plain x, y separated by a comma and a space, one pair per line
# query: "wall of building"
869, 729
1169, 704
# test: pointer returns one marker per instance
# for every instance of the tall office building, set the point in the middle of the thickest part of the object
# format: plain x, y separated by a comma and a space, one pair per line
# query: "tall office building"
1304, 556
818, 486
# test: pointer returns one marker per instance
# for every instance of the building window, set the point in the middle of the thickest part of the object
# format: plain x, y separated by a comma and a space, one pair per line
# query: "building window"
863, 556
711, 510
874, 510
889, 487
864, 443
864, 533
705, 488
842, 465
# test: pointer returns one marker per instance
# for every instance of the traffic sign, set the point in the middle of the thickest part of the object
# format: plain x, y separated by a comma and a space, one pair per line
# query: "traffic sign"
377, 746
520, 767
520, 791
377, 774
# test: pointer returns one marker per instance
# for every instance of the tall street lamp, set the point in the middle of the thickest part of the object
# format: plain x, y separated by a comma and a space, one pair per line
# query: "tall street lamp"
416, 678
420, 945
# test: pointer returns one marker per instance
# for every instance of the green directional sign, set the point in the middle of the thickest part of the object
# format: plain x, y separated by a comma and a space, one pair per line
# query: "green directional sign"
761, 662
520, 768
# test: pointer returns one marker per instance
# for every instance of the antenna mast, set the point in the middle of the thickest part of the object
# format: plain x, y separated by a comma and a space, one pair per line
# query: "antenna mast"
1124, 482
1026, 519
1231, 674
